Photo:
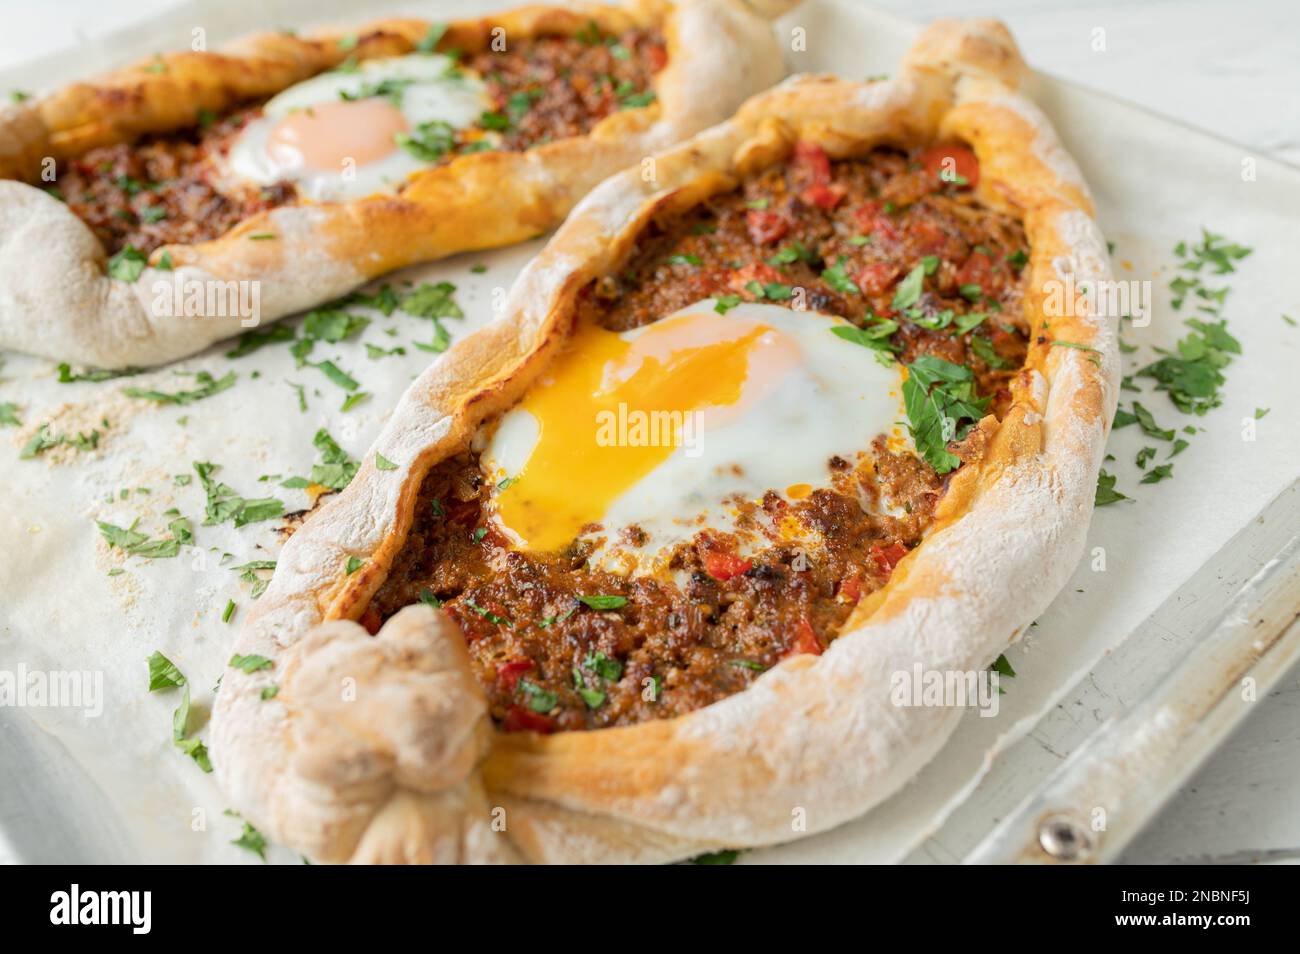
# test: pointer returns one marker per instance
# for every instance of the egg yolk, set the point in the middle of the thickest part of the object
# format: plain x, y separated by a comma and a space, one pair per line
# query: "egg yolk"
324, 137
605, 386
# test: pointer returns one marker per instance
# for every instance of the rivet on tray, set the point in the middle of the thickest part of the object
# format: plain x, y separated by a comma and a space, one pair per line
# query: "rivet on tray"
1064, 838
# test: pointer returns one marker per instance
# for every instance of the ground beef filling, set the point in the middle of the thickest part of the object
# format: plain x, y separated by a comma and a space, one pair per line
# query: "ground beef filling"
550, 88
160, 189
552, 660
163, 190
839, 238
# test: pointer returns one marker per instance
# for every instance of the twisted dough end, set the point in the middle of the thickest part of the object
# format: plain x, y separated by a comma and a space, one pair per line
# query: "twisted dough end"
382, 745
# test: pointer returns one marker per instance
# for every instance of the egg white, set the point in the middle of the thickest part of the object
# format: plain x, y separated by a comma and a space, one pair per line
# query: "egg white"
835, 402
436, 92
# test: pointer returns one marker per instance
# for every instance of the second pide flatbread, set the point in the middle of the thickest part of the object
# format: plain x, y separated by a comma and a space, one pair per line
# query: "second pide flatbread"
299, 167
811, 402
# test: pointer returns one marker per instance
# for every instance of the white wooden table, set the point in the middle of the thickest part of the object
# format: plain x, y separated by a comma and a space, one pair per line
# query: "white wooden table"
1228, 67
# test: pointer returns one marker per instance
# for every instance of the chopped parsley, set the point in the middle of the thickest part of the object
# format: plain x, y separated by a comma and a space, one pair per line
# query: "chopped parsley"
838, 278
333, 325
334, 470
429, 141
434, 301
223, 503
538, 699
1106, 492
1158, 473
164, 675
725, 303
139, 544
94, 375
487, 615
250, 663
603, 602
251, 341
941, 406
250, 839
207, 386
908, 292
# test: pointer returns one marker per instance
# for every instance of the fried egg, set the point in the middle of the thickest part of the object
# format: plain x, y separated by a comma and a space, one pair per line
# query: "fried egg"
335, 136
666, 427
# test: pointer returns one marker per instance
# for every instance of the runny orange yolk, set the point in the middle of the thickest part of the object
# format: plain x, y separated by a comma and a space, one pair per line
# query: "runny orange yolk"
692, 363
324, 137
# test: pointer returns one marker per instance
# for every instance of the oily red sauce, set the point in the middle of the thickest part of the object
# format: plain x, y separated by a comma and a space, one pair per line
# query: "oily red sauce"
163, 189
550, 661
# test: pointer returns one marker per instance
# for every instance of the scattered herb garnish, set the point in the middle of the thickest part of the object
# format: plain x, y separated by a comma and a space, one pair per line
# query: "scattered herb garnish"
223, 503
941, 406
603, 602
207, 386
250, 663
250, 839
1106, 492
163, 674
334, 470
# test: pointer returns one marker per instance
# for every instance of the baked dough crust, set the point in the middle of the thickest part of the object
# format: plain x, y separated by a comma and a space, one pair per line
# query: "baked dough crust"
57, 301
815, 738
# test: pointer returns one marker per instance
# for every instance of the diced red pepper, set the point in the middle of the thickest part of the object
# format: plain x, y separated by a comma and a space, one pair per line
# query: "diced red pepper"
978, 270
508, 674
656, 57
765, 226
523, 719
851, 587
951, 166
371, 620
928, 238
810, 160
876, 277
873, 220
823, 196
888, 557
805, 640
723, 566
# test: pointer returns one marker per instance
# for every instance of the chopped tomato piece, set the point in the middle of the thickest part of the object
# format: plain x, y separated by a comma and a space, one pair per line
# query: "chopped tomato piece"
929, 238
723, 566
765, 226
523, 719
508, 673
656, 57
978, 270
805, 640
876, 277
851, 587
810, 161
952, 165
823, 196
888, 557
873, 220
371, 620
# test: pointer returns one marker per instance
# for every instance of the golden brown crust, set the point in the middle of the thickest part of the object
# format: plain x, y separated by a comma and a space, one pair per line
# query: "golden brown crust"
816, 740
719, 52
